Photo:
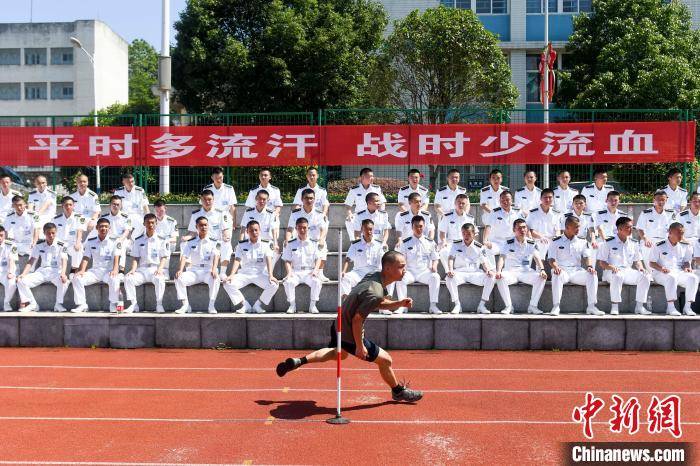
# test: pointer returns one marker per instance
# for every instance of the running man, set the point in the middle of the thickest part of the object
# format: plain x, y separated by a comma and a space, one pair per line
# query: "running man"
368, 296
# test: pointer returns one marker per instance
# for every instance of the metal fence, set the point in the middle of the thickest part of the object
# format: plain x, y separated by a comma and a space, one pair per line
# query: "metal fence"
642, 178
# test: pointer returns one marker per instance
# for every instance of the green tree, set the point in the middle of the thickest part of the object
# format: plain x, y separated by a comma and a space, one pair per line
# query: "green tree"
143, 73
442, 58
274, 55
633, 54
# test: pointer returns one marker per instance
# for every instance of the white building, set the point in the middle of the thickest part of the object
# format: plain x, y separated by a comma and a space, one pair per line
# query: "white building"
42, 72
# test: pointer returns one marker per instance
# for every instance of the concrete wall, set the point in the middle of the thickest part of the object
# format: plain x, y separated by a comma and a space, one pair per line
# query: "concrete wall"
418, 332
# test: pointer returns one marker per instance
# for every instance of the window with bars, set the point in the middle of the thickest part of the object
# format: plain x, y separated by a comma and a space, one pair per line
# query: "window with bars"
496, 7
10, 57
537, 6
532, 63
62, 56
10, 91
34, 91
34, 56
465, 4
61, 91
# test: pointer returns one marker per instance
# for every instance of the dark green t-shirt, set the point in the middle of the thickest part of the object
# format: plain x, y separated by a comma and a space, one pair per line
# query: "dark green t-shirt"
362, 299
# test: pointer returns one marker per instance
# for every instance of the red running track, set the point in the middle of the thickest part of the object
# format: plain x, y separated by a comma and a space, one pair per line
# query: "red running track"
68, 406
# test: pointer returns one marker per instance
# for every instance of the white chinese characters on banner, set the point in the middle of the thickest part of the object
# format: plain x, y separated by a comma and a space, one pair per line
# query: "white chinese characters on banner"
294, 141
106, 146
572, 143
432, 144
237, 146
53, 143
381, 146
170, 146
504, 144
629, 143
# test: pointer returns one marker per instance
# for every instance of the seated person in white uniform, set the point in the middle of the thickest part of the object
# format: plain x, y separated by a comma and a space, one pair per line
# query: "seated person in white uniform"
365, 254
468, 263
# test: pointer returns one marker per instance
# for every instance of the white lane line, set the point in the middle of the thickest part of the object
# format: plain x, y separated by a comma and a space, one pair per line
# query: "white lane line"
333, 390
306, 421
369, 369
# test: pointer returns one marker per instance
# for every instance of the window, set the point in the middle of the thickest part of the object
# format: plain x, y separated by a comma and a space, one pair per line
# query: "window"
465, 4
10, 57
532, 63
35, 91
34, 56
537, 6
10, 91
10, 121
62, 56
63, 121
61, 91
491, 6
574, 6
35, 122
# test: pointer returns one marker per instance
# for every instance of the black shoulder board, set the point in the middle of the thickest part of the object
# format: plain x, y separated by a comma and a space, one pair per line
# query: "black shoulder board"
456, 241
59, 215
648, 211
451, 212
41, 241
247, 210
32, 192
362, 212
521, 189
355, 241
497, 209
669, 210
535, 209
355, 187
443, 188
531, 241
485, 188
660, 243
123, 215
425, 212
104, 215
403, 187
609, 186
556, 238
296, 210
477, 244
406, 240
243, 241
404, 213
138, 188
138, 237
555, 210
269, 210
569, 214
510, 241
374, 185
685, 212
264, 240
609, 238
197, 210
422, 188
601, 212
683, 242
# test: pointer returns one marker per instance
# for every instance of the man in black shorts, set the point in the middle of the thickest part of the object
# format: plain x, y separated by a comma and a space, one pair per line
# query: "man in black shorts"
367, 296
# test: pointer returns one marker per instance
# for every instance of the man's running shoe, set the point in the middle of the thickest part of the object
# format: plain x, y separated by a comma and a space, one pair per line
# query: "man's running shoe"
407, 394
288, 365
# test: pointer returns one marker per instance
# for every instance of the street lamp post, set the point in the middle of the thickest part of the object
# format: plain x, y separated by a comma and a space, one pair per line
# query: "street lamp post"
76, 43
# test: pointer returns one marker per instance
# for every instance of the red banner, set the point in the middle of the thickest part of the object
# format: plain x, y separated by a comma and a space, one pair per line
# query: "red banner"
493, 144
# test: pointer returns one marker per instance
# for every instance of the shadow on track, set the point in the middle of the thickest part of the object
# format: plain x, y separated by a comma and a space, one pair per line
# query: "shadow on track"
301, 409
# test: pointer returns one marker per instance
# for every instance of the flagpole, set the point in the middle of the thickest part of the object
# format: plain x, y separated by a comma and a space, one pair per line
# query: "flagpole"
545, 100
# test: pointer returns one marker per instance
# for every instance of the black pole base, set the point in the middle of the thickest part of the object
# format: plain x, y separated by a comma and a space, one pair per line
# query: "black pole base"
338, 419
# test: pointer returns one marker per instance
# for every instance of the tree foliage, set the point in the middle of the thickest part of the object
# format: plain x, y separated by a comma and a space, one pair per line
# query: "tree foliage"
633, 54
274, 55
143, 73
442, 58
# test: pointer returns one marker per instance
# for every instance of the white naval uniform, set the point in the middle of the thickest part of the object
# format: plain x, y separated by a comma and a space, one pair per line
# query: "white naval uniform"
253, 270
20, 229
8, 253
491, 198
102, 254
586, 223
445, 197
595, 198
87, 205
357, 197
133, 203
673, 257
380, 219
467, 262
148, 251
67, 231
407, 190
274, 199
6, 207
501, 226
677, 199
402, 222
655, 226
118, 224
224, 197
605, 220
691, 224
366, 258
320, 196
219, 221
419, 253
517, 268
167, 228
201, 254
568, 254
49, 271
266, 219
36, 201
527, 200
623, 255
451, 224
544, 223
317, 221
564, 198
303, 256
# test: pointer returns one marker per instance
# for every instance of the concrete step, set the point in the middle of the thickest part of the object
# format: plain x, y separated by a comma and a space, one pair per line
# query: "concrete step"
304, 332
97, 297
